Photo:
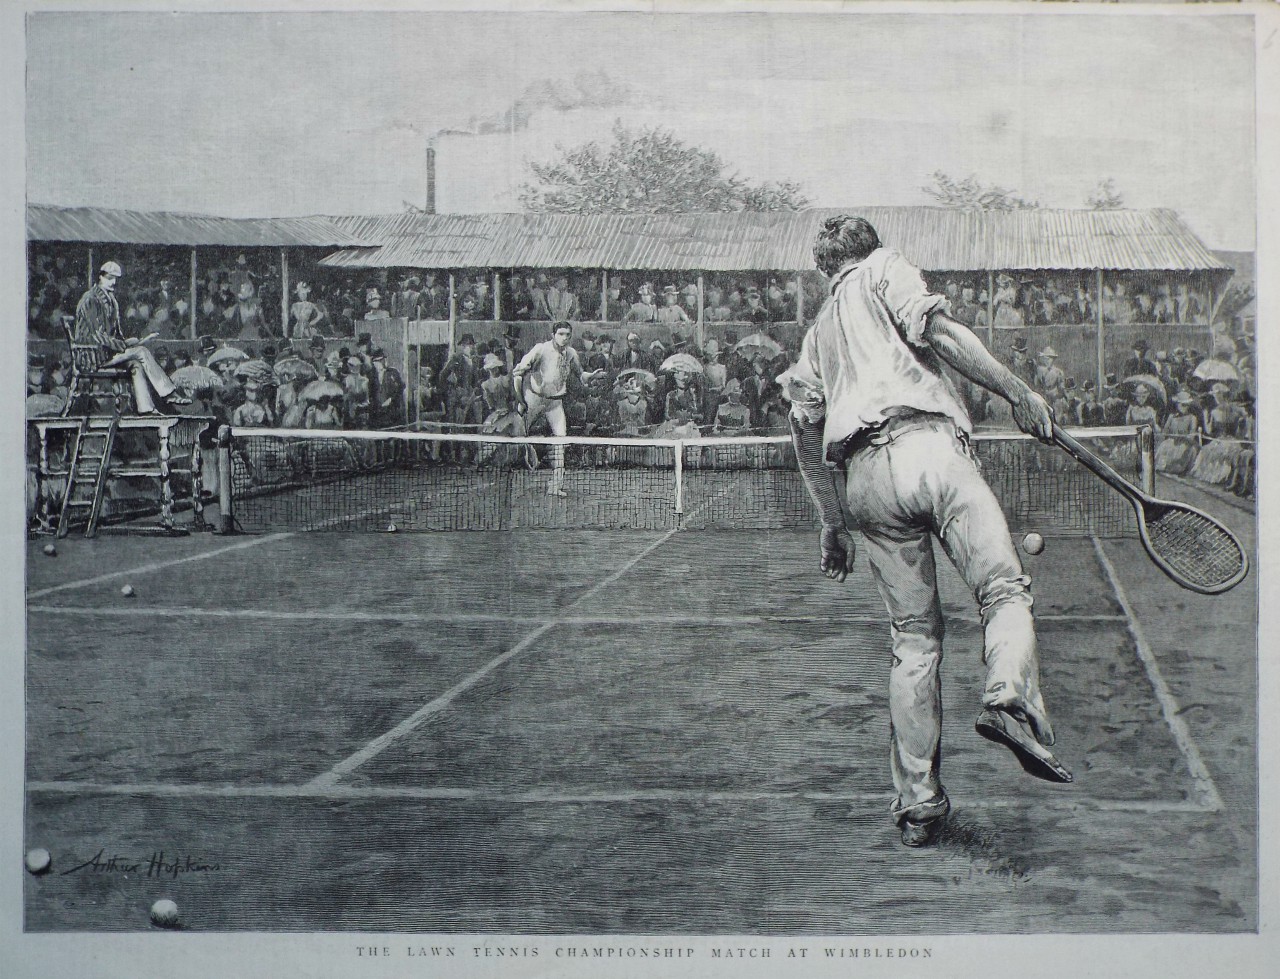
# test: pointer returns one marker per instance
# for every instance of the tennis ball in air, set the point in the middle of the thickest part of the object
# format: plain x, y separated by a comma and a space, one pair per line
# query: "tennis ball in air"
1033, 543
164, 914
38, 860
50, 550
127, 591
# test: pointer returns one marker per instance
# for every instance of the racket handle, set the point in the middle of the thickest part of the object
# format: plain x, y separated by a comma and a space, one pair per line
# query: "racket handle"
1101, 469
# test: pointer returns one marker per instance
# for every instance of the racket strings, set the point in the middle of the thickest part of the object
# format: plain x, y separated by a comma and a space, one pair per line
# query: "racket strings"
1195, 547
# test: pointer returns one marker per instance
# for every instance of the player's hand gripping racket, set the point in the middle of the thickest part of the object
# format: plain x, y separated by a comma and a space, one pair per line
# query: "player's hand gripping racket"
1185, 543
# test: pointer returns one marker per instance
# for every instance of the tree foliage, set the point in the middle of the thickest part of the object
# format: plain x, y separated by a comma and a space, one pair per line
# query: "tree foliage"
1105, 197
649, 171
971, 195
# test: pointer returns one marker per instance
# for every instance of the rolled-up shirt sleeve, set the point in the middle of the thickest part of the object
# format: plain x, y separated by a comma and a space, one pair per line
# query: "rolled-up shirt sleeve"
527, 362
909, 300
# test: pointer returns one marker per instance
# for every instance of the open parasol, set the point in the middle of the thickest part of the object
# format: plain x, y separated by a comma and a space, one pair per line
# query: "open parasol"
258, 370
196, 378
1152, 382
647, 378
294, 369
321, 389
758, 343
1216, 370
682, 362
226, 353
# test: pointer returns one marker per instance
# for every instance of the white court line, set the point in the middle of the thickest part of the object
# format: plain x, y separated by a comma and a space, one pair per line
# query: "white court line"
1206, 788
543, 797
157, 565
440, 703
492, 618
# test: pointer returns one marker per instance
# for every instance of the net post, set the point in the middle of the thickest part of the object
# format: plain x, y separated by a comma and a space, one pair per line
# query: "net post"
1147, 459
679, 476
226, 518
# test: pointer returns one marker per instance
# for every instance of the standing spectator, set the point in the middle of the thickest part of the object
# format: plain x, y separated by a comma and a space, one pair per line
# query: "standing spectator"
305, 318
644, 309
461, 381
373, 300
241, 275
1114, 404
1140, 363
406, 302
355, 385
671, 312
1140, 411
1049, 377
759, 391
1020, 362
633, 407
1007, 312
732, 417
246, 320
756, 312
715, 377
558, 302
634, 355
386, 393
615, 309
1091, 413
251, 414
499, 400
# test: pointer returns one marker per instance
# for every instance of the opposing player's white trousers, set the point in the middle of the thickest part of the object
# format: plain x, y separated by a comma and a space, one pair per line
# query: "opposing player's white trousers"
553, 409
921, 483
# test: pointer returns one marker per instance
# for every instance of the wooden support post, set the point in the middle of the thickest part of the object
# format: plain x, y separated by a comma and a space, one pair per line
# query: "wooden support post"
604, 295
197, 485
1147, 459
453, 313
799, 280
702, 327
166, 479
991, 309
497, 300
93, 279
1102, 352
284, 292
404, 376
193, 294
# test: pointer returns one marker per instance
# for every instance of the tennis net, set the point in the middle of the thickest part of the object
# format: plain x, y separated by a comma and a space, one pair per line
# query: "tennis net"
421, 481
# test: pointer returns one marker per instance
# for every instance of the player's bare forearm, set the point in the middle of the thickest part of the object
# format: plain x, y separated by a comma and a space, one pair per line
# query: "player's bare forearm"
956, 344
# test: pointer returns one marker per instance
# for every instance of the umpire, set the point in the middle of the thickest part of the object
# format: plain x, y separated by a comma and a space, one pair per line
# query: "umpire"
873, 411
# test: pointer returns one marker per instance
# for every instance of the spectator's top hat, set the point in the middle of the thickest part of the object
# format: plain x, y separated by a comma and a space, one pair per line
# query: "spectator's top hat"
378, 354
730, 337
1019, 345
344, 353
207, 345
316, 343
269, 352
1088, 385
1070, 384
492, 362
35, 362
364, 339
1111, 380
1140, 344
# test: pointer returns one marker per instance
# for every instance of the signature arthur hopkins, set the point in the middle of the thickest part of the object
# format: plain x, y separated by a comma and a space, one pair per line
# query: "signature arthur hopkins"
158, 864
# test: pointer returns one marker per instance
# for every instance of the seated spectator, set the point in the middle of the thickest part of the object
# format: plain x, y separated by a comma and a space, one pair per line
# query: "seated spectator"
326, 413
1091, 413
1180, 441
373, 302
615, 309
1140, 412
252, 413
634, 355
633, 406
716, 310
755, 312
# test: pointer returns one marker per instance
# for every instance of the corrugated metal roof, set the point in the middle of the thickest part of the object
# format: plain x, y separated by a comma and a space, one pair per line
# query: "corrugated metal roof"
934, 238
46, 222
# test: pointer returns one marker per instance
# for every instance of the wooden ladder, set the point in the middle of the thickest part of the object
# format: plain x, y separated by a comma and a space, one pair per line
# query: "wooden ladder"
87, 464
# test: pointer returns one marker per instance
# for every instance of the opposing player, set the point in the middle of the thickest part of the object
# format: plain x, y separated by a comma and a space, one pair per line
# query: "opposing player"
873, 412
548, 367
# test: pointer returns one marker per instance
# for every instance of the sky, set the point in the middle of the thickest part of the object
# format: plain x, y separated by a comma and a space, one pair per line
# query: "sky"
278, 114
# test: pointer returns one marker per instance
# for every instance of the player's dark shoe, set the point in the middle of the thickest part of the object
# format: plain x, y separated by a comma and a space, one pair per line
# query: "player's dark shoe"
1035, 759
923, 833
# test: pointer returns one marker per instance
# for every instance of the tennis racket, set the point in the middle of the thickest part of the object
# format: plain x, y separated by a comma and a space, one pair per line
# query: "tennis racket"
1186, 544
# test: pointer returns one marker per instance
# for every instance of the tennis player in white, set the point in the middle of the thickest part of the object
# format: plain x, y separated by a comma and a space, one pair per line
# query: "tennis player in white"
548, 367
873, 411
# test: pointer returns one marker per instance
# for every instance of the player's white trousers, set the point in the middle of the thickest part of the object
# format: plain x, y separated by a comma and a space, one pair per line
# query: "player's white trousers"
553, 409
921, 482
